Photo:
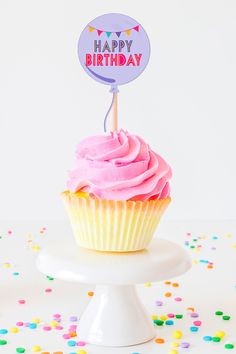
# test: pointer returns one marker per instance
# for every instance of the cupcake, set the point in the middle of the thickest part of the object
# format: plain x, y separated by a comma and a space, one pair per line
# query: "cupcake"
117, 192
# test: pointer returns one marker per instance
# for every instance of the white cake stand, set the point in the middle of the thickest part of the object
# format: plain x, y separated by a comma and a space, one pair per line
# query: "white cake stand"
115, 316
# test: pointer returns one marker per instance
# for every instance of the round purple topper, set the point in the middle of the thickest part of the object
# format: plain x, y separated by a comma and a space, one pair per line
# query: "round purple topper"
114, 49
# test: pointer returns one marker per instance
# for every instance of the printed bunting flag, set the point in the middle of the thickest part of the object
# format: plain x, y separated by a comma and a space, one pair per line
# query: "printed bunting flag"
91, 29
126, 31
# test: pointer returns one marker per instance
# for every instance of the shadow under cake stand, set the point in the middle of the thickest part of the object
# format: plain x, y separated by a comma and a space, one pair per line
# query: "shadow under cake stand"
115, 316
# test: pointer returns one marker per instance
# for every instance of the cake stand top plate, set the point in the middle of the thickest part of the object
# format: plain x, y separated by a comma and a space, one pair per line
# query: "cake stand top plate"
66, 261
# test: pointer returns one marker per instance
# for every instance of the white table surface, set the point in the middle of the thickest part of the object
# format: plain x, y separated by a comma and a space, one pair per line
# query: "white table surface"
207, 290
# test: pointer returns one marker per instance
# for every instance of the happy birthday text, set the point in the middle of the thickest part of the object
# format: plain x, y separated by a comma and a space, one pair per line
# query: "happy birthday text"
113, 54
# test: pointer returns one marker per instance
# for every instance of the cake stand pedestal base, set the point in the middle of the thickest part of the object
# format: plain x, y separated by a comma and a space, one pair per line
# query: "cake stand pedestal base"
115, 316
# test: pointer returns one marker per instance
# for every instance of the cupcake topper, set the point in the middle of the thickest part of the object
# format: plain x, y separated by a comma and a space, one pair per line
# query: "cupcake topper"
114, 49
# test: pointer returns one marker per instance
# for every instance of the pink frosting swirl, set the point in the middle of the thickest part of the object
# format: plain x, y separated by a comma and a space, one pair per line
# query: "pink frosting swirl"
119, 166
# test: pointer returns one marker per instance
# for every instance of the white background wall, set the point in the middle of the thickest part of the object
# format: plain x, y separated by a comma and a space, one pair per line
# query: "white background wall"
183, 104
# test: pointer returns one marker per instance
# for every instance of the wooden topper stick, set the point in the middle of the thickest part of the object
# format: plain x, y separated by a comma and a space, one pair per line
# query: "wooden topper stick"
114, 120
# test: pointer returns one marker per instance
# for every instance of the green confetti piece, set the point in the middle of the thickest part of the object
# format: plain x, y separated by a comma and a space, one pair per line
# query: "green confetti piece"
158, 322
216, 339
229, 346
179, 316
3, 342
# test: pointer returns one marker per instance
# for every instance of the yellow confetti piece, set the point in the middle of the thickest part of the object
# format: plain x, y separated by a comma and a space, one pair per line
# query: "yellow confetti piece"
234, 245
154, 317
228, 235
36, 320
6, 265
194, 261
163, 318
177, 334
81, 351
36, 248
14, 330
220, 334
174, 345
147, 284
54, 323
36, 348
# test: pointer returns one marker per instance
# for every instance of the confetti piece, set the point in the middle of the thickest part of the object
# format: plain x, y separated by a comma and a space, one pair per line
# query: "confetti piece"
6, 265
158, 322
71, 343
57, 315
179, 317
197, 323
47, 328
184, 345
174, 345
207, 338
220, 334
3, 342
168, 294
48, 290
159, 340
21, 302
36, 320
81, 343
14, 330
3, 331
172, 351
194, 315
177, 334
73, 318
20, 350
216, 339
36, 348
170, 315
229, 346
33, 325
66, 336
193, 329
59, 328
19, 324
159, 303
178, 299
90, 293
73, 334
218, 313
54, 323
